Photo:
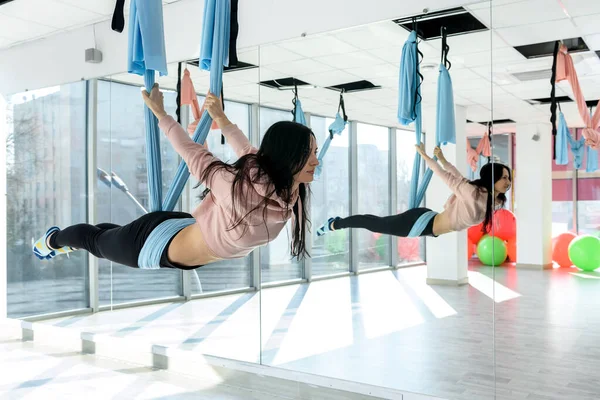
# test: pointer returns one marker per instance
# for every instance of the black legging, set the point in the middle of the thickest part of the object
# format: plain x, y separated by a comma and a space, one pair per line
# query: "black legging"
120, 244
396, 225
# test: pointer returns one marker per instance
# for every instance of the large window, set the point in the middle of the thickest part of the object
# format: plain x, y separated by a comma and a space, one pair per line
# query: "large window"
373, 192
46, 186
331, 198
121, 150
409, 250
276, 262
227, 274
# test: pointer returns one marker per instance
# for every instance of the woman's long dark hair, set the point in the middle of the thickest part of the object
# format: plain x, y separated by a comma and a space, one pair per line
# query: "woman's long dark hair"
284, 151
488, 176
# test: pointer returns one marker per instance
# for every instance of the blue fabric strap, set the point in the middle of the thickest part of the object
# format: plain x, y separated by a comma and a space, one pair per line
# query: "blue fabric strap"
578, 148
592, 159
445, 131
409, 110
146, 45
214, 55
146, 54
299, 113
421, 223
149, 257
409, 104
336, 128
562, 138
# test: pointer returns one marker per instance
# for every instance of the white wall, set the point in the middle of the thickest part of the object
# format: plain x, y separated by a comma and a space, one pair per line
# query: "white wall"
533, 196
59, 59
447, 254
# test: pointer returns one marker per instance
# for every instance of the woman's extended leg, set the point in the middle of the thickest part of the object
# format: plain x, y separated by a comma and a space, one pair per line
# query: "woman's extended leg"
396, 225
120, 244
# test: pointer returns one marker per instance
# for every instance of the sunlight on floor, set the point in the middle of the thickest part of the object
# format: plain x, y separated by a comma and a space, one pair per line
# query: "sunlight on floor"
491, 289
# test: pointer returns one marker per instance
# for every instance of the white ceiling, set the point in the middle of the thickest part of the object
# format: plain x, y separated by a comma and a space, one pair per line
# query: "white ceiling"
26, 20
373, 52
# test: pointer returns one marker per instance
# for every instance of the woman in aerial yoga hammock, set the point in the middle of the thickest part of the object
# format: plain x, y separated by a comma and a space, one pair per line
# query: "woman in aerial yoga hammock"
246, 205
472, 202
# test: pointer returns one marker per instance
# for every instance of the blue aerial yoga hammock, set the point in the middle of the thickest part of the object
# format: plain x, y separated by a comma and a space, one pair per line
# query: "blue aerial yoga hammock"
297, 112
578, 148
336, 128
409, 110
146, 30
146, 54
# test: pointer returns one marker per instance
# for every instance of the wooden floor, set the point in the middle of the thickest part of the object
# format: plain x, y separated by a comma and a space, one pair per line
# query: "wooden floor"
34, 371
531, 335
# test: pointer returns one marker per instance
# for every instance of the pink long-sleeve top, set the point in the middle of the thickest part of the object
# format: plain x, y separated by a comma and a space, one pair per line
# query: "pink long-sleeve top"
214, 214
467, 205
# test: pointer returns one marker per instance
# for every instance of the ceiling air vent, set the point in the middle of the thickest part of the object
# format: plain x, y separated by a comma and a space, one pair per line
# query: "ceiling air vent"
239, 67
533, 75
284, 83
546, 49
353, 87
560, 99
494, 122
457, 21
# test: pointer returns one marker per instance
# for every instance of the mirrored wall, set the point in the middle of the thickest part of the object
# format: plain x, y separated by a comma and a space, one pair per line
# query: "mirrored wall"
501, 310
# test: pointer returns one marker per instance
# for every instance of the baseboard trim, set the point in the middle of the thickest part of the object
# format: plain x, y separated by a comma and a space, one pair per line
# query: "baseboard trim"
538, 267
448, 282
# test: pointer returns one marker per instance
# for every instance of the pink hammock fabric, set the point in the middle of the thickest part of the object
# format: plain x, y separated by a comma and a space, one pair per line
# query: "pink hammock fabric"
188, 97
565, 69
484, 148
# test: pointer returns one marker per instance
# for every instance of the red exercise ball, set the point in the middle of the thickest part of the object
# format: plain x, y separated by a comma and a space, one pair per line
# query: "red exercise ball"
475, 233
560, 249
505, 224
511, 250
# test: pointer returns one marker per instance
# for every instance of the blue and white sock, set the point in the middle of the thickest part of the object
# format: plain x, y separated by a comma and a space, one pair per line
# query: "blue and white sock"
323, 229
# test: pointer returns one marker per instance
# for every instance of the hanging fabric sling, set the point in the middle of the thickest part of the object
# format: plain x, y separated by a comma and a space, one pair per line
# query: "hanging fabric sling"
297, 111
147, 55
409, 110
336, 128
564, 69
578, 148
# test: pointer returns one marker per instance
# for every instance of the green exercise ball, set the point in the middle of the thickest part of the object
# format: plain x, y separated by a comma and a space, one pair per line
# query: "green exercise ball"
584, 252
491, 250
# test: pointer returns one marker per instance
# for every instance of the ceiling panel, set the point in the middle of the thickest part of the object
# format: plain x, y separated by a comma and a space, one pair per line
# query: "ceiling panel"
391, 54
274, 54
521, 13
298, 67
317, 46
16, 29
593, 41
349, 60
50, 13
470, 43
541, 32
384, 34
103, 7
329, 78
486, 4
578, 8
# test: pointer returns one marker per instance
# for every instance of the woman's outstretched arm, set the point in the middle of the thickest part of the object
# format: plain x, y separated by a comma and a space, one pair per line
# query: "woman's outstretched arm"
235, 137
196, 156
446, 164
451, 180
